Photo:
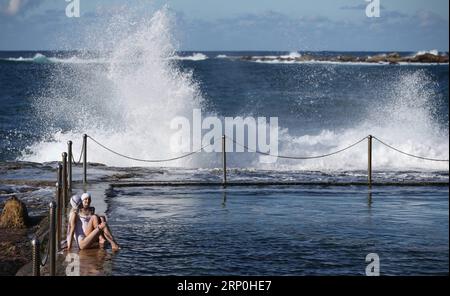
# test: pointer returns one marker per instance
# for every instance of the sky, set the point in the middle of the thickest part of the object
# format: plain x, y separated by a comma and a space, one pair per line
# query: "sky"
284, 25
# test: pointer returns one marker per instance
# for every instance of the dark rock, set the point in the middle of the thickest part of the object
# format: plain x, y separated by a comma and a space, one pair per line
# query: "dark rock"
307, 58
346, 58
15, 250
393, 55
430, 58
376, 59
391, 58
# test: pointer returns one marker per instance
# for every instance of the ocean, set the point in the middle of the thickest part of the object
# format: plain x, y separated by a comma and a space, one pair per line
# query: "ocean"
126, 97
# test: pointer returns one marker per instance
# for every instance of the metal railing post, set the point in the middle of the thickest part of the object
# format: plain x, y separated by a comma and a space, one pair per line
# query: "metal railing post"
369, 168
58, 216
59, 206
64, 181
224, 161
69, 166
52, 241
84, 159
36, 257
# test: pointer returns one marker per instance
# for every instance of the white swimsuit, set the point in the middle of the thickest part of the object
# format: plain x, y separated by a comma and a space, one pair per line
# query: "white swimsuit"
84, 221
79, 233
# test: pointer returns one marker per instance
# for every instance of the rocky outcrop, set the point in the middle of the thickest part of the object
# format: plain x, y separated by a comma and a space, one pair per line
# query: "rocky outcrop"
391, 58
14, 214
15, 250
429, 58
393, 55
346, 58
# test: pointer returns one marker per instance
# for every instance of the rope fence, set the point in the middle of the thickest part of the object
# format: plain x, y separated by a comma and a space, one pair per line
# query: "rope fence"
259, 152
148, 160
298, 157
83, 154
408, 154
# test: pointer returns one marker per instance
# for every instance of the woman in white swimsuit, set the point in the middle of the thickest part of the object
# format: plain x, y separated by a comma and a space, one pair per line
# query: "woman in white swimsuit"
89, 220
86, 227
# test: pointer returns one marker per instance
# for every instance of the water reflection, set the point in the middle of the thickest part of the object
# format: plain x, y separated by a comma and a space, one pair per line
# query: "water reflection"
224, 194
93, 262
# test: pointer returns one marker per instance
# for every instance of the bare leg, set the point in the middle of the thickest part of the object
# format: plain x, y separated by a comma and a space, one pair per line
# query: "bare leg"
89, 240
107, 233
93, 223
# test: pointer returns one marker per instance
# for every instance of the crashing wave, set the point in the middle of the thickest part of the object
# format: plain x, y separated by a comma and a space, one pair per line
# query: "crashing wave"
38, 58
193, 57
422, 52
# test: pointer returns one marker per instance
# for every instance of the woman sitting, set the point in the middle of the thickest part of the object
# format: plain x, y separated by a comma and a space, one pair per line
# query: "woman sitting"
85, 226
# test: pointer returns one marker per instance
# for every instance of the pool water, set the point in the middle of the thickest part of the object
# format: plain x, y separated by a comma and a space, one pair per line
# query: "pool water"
294, 230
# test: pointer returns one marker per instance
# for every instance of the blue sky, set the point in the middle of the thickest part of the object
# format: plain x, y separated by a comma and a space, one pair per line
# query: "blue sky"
404, 25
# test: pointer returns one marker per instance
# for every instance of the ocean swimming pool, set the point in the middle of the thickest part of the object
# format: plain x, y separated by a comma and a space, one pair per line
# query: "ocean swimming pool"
278, 230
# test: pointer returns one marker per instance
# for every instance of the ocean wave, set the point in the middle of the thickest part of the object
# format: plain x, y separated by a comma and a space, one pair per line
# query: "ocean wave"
404, 119
39, 58
292, 55
422, 52
43, 59
132, 99
194, 57
128, 108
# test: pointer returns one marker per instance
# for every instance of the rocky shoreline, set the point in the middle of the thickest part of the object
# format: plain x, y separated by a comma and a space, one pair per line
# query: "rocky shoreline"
16, 231
391, 58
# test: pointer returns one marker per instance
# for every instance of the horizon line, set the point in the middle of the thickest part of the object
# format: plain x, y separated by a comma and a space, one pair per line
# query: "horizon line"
235, 50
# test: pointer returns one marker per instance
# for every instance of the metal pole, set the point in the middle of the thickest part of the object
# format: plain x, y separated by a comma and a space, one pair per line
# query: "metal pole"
69, 165
52, 239
369, 169
65, 189
59, 214
224, 161
60, 202
36, 257
60, 174
84, 159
